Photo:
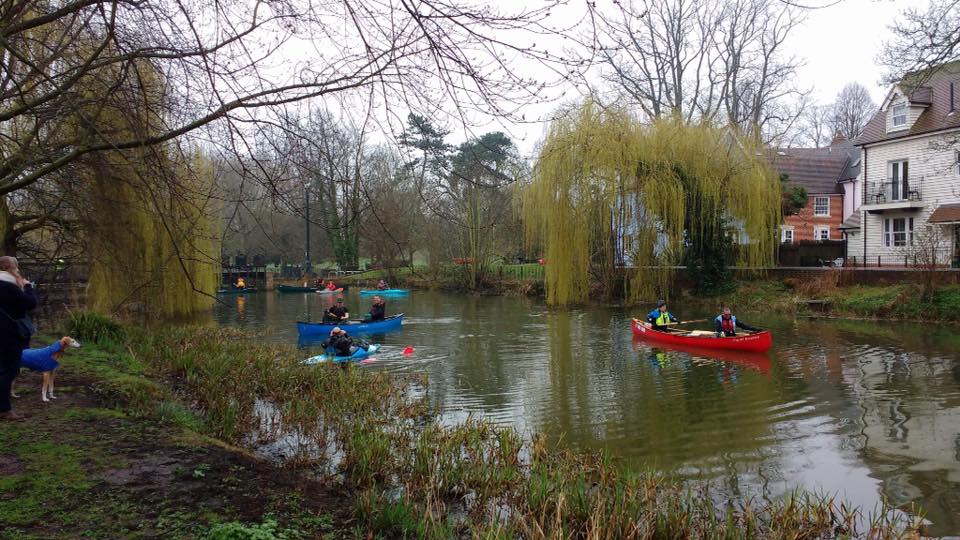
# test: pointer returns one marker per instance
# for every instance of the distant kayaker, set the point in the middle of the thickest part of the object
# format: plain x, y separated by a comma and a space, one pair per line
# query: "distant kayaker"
331, 286
378, 311
726, 324
241, 283
381, 285
660, 318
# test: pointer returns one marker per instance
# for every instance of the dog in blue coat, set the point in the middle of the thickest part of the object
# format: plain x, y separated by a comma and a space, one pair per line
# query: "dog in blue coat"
46, 361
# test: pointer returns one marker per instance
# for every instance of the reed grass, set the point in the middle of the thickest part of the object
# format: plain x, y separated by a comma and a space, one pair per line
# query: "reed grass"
418, 478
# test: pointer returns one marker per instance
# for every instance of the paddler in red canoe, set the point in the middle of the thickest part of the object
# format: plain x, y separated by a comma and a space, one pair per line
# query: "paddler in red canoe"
726, 324
660, 318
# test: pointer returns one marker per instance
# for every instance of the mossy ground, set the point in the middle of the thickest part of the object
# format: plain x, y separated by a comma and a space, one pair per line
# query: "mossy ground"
95, 464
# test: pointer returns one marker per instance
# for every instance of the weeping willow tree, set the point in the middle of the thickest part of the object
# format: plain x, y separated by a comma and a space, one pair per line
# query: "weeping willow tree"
609, 191
147, 212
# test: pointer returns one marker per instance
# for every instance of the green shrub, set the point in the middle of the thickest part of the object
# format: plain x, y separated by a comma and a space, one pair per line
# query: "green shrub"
90, 326
268, 530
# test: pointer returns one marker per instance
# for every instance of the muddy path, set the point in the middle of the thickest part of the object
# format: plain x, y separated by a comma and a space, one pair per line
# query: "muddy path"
75, 468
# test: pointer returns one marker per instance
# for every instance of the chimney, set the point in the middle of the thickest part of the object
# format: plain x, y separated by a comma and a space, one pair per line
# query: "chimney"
838, 139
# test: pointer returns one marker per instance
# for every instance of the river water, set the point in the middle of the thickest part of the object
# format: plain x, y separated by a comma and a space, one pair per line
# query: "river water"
863, 410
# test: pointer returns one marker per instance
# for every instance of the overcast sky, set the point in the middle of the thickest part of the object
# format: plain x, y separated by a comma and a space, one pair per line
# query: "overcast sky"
838, 44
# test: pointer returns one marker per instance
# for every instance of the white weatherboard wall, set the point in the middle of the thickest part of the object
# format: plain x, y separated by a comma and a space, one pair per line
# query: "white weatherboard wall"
852, 195
913, 111
932, 168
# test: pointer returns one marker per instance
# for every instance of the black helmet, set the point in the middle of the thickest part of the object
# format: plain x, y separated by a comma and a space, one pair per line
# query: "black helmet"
661, 303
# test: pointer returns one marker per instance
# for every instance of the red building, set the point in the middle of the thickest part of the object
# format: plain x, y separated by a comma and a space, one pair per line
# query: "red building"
823, 172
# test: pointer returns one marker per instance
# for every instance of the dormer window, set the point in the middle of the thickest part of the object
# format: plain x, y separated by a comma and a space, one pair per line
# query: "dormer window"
899, 114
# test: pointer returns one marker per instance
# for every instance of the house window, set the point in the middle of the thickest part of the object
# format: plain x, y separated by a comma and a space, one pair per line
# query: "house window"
898, 187
821, 206
898, 232
786, 235
899, 115
821, 233
956, 161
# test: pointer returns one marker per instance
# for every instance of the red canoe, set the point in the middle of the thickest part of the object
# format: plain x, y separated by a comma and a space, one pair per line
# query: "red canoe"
757, 342
754, 360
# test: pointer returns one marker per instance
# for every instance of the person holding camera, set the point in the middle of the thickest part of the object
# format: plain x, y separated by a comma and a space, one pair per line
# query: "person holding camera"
16, 299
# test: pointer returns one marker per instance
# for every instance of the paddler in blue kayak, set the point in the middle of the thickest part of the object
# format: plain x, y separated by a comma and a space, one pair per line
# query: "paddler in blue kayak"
726, 324
382, 285
339, 341
660, 318
342, 344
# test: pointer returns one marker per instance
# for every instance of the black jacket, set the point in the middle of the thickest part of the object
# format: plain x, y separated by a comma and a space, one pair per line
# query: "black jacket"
378, 312
15, 302
341, 343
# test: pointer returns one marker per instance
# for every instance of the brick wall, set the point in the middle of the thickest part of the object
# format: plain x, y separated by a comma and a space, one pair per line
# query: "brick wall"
805, 222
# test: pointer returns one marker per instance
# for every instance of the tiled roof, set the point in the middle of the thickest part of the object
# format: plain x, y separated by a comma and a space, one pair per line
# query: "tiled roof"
934, 94
852, 222
945, 213
817, 169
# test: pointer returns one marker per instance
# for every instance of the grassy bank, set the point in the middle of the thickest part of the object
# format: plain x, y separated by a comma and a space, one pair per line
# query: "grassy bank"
142, 442
124, 455
902, 301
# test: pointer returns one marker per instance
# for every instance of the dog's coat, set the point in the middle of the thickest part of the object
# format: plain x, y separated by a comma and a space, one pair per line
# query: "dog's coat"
45, 361
42, 359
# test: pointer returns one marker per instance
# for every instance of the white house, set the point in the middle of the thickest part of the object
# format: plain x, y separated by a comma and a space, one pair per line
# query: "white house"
910, 175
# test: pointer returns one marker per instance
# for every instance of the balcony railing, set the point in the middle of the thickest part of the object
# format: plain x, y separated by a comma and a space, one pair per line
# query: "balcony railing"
893, 190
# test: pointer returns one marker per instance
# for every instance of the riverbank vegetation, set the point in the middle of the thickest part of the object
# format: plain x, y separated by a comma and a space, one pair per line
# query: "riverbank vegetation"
903, 301
402, 473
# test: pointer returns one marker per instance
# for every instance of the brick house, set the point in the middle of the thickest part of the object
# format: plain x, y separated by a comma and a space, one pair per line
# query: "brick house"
828, 174
911, 150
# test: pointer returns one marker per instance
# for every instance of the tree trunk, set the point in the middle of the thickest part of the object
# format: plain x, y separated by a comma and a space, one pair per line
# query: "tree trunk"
8, 235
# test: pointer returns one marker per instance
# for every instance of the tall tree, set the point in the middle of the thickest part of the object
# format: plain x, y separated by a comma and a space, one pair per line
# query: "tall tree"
922, 39
327, 155
705, 60
815, 127
851, 111
482, 171
228, 76
663, 192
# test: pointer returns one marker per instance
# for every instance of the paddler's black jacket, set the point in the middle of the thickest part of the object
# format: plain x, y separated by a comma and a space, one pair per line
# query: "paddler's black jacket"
340, 343
378, 312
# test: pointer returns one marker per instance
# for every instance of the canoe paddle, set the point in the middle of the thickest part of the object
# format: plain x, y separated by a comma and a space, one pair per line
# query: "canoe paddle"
688, 322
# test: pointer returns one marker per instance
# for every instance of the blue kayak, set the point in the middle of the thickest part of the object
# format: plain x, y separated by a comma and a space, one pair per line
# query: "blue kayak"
388, 292
359, 354
352, 327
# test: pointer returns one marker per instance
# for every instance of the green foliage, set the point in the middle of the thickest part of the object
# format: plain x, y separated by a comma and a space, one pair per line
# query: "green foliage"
794, 197
609, 188
147, 212
268, 530
90, 326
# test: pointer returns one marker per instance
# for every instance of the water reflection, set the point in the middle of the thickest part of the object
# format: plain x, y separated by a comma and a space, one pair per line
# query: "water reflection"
857, 408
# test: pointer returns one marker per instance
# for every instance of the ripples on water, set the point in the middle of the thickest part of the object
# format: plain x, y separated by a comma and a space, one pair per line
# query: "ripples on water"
856, 408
